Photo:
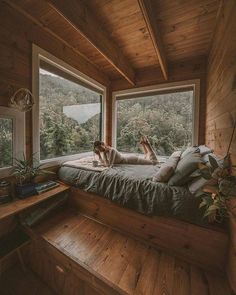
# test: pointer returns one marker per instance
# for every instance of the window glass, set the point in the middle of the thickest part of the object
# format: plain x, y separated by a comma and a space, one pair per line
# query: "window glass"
167, 120
70, 116
6, 142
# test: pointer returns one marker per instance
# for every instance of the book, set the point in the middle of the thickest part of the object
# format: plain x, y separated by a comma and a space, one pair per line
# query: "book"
46, 186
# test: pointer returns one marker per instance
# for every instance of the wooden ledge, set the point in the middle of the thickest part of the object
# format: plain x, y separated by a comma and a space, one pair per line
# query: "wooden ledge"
17, 206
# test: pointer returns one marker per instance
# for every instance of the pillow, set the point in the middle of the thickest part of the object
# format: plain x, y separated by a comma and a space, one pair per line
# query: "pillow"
205, 159
190, 150
185, 167
168, 168
204, 150
197, 184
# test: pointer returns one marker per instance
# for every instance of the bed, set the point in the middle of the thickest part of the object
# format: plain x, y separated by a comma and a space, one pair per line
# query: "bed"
165, 217
131, 186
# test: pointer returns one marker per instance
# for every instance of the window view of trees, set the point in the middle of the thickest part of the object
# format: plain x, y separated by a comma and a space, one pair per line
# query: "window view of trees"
166, 119
6, 142
70, 117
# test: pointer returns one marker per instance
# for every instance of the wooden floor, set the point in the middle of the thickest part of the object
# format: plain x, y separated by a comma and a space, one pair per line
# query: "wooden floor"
125, 263
16, 282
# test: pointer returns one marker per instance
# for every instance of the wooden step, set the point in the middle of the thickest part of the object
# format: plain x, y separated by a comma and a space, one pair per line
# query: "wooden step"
124, 264
205, 247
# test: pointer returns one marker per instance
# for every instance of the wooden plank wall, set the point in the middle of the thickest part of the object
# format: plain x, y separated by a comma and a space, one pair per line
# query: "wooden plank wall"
17, 33
221, 83
221, 100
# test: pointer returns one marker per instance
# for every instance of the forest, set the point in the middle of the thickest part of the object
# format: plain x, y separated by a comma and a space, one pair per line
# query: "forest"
166, 119
6, 142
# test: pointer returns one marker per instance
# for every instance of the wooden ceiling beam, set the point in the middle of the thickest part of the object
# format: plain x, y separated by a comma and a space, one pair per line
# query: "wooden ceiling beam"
83, 20
150, 20
83, 63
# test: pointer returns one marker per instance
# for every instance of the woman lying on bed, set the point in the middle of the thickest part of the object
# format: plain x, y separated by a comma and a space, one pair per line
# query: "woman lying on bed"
109, 155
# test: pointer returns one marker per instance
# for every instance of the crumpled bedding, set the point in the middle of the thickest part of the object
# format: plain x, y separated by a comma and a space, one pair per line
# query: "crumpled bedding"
131, 186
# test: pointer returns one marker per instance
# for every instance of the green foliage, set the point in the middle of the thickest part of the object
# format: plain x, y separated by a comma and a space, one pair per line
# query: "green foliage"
165, 119
59, 134
25, 171
214, 203
6, 134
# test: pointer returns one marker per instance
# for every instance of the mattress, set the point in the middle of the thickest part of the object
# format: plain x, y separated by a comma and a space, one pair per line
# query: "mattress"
131, 186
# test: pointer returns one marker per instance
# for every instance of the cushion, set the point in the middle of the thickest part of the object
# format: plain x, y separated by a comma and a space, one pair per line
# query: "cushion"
187, 165
168, 168
204, 150
197, 184
205, 159
190, 150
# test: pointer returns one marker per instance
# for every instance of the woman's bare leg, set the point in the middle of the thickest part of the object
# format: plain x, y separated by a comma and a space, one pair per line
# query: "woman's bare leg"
145, 151
150, 151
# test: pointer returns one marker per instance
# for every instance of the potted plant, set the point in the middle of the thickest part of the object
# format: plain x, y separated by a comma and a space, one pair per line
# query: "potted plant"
223, 186
25, 172
222, 189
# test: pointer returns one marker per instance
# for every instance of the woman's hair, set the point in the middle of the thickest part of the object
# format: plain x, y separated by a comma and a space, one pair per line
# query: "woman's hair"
97, 144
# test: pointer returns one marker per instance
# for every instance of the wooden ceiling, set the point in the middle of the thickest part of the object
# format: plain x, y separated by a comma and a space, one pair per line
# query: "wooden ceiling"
130, 32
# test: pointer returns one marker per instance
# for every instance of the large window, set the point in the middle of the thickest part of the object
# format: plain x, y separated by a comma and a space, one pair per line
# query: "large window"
166, 118
6, 142
12, 138
70, 113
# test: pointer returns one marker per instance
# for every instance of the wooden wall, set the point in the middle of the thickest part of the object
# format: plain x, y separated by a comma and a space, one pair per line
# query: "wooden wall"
221, 83
17, 33
221, 100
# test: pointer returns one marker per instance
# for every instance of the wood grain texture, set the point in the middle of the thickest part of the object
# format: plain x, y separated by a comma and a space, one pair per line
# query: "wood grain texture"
231, 266
17, 206
17, 33
177, 237
83, 20
73, 247
151, 23
221, 102
221, 107
186, 29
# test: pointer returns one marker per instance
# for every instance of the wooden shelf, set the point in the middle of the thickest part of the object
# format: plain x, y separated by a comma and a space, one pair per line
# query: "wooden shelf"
17, 206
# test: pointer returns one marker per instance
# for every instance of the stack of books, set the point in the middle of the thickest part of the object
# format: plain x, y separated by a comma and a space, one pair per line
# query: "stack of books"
45, 186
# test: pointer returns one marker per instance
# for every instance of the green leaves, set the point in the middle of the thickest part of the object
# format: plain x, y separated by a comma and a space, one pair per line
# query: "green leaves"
204, 171
226, 162
213, 162
25, 171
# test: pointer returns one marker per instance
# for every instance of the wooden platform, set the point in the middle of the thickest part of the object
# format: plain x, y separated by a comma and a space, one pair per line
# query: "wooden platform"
18, 205
205, 247
113, 263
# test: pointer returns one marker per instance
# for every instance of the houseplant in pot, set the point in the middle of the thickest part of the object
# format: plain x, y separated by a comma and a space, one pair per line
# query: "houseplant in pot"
25, 172
215, 199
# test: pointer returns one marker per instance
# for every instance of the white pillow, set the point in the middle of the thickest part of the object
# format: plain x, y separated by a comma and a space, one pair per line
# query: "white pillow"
167, 169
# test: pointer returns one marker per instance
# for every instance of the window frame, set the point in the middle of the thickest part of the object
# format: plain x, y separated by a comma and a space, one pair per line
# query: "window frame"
18, 137
40, 54
195, 84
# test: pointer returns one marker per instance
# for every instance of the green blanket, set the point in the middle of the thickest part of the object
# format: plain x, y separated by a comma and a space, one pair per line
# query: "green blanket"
131, 186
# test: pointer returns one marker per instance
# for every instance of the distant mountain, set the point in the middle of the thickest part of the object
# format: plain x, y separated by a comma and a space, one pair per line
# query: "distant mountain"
82, 113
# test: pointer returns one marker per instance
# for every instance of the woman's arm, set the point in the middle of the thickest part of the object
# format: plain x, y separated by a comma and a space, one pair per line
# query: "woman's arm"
99, 156
105, 159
